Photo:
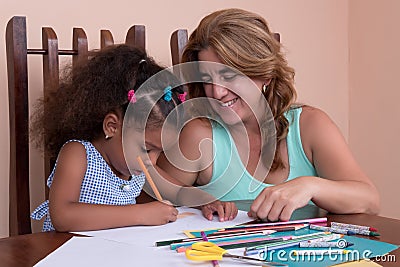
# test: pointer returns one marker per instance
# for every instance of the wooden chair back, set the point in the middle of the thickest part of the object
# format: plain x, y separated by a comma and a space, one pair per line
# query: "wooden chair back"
17, 69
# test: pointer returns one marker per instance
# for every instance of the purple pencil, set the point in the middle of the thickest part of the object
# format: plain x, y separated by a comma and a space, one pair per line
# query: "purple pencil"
204, 236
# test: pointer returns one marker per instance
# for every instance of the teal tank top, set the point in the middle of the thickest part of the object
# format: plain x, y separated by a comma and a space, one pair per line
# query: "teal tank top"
231, 181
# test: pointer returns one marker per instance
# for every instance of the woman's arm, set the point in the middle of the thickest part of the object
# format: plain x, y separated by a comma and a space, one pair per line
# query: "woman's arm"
342, 187
190, 163
190, 160
345, 187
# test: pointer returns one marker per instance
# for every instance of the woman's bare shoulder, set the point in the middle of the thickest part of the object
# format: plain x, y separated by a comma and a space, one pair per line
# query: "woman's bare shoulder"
314, 117
197, 128
317, 128
195, 137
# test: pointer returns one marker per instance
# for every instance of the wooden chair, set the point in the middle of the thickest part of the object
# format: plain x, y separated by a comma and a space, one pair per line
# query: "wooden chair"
17, 59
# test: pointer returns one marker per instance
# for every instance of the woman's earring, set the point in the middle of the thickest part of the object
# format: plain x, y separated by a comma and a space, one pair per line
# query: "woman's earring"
264, 88
107, 137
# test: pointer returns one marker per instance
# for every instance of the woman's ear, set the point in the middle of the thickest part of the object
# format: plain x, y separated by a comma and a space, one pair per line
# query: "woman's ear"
111, 124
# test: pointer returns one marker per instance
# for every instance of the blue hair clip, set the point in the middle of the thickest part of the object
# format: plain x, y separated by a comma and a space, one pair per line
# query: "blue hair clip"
168, 93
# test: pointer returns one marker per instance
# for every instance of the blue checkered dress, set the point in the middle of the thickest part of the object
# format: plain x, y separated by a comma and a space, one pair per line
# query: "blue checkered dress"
99, 186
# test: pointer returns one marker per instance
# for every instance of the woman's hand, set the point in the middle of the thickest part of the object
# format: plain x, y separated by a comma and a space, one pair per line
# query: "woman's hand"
226, 210
278, 202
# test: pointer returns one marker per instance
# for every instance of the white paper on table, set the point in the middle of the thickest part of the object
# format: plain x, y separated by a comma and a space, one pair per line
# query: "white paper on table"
131, 246
92, 251
147, 235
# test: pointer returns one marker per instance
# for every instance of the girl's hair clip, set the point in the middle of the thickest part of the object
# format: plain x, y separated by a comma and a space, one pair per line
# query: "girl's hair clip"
182, 97
131, 96
168, 93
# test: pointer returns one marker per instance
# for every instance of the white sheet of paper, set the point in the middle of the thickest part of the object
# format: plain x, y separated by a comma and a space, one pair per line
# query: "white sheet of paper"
148, 235
131, 246
93, 251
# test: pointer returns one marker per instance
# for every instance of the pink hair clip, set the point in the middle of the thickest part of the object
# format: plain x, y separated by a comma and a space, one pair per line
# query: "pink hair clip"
182, 97
131, 96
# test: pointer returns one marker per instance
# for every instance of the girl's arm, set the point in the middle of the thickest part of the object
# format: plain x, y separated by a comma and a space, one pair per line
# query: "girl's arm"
342, 187
68, 214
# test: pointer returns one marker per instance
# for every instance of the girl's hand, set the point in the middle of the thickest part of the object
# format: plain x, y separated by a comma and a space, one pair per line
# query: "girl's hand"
157, 213
278, 202
226, 210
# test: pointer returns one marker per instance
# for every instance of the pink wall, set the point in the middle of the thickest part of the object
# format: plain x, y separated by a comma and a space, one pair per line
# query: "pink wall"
316, 38
374, 95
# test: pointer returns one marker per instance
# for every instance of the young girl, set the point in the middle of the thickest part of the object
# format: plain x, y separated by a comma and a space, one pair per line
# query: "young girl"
92, 186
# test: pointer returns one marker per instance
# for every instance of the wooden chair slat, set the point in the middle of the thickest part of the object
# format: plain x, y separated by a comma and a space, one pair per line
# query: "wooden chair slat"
277, 36
16, 47
179, 39
79, 44
51, 71
136, 36
106, 38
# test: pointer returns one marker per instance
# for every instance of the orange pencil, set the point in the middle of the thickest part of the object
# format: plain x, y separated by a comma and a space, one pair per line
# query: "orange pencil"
149, 179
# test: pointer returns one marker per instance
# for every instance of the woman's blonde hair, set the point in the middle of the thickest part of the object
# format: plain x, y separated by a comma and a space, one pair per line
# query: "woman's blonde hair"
243, 41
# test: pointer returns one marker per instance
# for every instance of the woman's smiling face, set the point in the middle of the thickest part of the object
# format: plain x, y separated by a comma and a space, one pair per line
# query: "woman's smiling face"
235, 93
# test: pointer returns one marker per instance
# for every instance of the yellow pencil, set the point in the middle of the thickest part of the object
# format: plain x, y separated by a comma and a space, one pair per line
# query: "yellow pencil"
149, 179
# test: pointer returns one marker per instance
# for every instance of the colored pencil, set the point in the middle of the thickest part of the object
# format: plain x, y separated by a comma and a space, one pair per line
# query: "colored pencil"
233, 245
352, 226
215, 232
149, 179
330, 229
223, 241
325, 244
327, 238
305, 221
204, 237
318, 252
247, 234
283, 244
272, 227
358, 229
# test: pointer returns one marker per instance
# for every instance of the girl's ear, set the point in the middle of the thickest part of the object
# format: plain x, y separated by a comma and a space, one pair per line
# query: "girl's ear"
111, 124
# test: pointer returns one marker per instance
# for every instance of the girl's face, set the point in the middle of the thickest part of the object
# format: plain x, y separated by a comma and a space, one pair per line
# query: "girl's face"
128, 143
148, 145
237, 96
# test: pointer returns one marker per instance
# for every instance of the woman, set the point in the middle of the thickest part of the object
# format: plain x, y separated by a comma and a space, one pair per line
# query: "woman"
311, 162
